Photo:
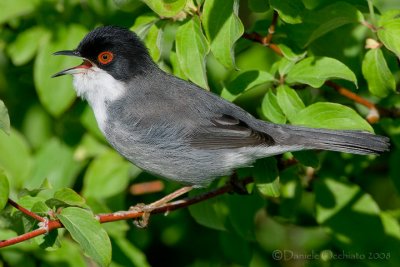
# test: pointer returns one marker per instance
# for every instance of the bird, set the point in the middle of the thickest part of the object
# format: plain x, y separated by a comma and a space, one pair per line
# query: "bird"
175, 129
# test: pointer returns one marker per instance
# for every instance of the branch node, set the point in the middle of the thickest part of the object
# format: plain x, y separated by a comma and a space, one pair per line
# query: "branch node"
44, 225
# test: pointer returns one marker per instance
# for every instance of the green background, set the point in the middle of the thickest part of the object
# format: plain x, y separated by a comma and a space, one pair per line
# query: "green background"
305, 209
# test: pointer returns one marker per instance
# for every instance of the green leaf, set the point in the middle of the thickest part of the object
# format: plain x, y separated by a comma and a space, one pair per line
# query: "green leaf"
246, 81
70, 197
166, 8
15, 157
4, 118
289, 11
335, 16
211, 213
24, 48
377, 73
314, 71
191, 50
106, 176
289, 101
223, 27
143, 24
284, 66
153, 41
87, 231
89, 147
177, 71
290, 55
271, 109
55, 162
4, 189
16, 8
57, 94
331, 116
389, 31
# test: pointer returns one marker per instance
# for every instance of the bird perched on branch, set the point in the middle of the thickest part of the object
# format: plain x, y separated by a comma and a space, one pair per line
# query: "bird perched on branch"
174, 128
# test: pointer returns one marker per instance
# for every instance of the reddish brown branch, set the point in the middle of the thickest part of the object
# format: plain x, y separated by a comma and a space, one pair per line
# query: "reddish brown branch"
50, 226
373, 115
271, 29
25, 211
264, 40
124, 215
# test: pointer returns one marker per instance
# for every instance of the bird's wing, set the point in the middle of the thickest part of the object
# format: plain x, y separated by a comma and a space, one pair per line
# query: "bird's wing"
228, 132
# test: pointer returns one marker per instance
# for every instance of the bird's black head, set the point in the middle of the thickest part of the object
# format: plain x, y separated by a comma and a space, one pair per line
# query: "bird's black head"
116, 50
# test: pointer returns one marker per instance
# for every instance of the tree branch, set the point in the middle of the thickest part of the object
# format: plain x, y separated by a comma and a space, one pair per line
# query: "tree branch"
26, 212
50, 225
373, 115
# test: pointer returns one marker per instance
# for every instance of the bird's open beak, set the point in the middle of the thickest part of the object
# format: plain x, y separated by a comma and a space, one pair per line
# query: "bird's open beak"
74, 70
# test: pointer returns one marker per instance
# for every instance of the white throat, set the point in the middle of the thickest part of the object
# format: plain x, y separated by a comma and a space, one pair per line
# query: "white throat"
98, 88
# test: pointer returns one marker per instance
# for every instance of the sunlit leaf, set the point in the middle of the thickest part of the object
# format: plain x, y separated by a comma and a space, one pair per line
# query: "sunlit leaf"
191, 50
12, 9
69, 197
15, 157
4, 118
54, 162
166, 8
314, 71
143, 23
271, 109
106, 176
223, 27
331, 116
377, 73
246, 81
87, 231
289, 101
153, 41
57, 94
4, 189
389, 31
26, 45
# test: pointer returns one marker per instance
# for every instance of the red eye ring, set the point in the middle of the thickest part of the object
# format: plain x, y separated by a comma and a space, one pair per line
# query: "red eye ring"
105, 57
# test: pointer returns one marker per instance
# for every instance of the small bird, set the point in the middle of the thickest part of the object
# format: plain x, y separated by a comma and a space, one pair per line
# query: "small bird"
174, 128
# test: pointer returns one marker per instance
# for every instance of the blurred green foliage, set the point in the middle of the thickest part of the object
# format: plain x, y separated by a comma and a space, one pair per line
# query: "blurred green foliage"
322, 209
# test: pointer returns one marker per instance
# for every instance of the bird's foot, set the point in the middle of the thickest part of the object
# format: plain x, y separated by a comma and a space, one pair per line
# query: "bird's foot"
143, 221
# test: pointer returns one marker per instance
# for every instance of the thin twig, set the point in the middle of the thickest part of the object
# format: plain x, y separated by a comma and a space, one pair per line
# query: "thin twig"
373, 115
271, 29
125, 215
25, 211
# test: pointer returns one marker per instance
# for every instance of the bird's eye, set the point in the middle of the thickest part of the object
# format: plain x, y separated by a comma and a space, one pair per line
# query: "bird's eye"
105, 57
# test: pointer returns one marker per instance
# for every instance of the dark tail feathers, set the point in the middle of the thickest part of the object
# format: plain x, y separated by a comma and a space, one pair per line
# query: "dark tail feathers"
356, 142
